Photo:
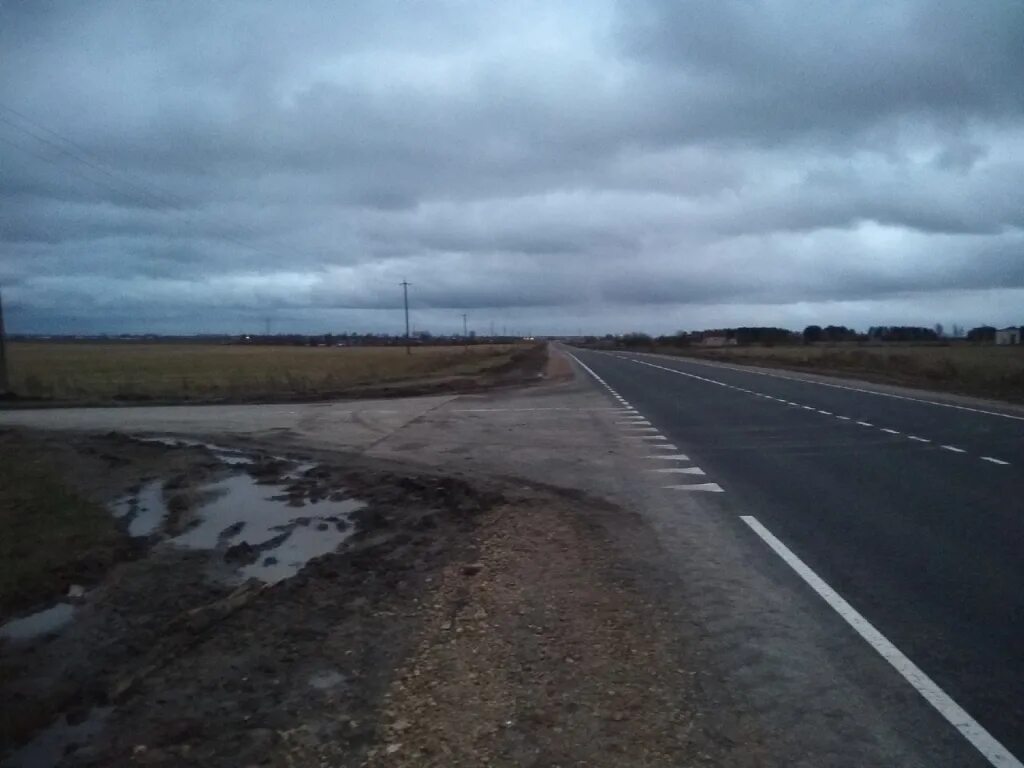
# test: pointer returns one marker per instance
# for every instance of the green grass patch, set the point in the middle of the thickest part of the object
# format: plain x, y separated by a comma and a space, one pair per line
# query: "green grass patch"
52, 537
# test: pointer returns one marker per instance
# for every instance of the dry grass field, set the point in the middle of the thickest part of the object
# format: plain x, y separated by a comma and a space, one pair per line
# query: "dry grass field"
170, 372
971, 369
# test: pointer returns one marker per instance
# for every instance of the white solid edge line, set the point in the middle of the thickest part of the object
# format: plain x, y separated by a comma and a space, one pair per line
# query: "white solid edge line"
994, 461
952, 448
969, 728
709, 487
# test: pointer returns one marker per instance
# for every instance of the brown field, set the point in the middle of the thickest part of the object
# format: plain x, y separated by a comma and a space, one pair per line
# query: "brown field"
196, 372
970, 369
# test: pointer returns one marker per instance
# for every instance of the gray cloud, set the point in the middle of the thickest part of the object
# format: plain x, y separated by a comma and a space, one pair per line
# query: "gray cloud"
591, 166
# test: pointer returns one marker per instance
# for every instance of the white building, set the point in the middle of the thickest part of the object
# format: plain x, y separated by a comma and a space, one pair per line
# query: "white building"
1008, 336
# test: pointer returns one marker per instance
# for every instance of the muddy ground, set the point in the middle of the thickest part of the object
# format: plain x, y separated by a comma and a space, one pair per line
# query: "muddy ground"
457, 623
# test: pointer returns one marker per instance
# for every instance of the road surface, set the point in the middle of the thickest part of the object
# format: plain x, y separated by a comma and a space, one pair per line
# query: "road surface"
909, 509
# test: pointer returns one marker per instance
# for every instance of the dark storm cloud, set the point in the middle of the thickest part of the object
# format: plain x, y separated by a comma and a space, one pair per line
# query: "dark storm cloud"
727, 162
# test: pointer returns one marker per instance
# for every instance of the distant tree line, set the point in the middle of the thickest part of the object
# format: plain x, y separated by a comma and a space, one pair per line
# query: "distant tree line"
812, 334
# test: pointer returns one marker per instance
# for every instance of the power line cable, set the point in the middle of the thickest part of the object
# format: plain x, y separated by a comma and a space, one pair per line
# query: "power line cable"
87, 158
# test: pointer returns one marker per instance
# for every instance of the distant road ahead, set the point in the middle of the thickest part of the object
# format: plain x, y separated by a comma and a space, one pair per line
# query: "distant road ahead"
912, 511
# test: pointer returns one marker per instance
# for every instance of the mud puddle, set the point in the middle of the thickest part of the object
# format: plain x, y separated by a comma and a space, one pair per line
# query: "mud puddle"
259, 608
62, 737
44, 622
252, 516
144, 511
259, 525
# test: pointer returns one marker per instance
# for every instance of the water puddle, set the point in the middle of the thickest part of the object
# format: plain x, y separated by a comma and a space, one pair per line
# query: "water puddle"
144, 510
260, 524
51, 745
228, 456
327, 679
44, 622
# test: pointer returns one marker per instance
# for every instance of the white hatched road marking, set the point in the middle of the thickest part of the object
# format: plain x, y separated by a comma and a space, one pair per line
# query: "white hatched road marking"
706, 487
968, 727
677, 457
661, 442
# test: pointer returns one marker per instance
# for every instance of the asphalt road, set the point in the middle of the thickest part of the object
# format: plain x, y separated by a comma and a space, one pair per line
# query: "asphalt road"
912, 511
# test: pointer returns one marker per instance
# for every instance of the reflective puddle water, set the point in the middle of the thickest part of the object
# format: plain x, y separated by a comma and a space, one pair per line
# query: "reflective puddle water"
144, 510
281, 538
226, 455
54, 742
38, 624
257, 524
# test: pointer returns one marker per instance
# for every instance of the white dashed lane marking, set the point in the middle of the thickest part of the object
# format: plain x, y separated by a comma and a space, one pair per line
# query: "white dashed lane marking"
839, 386
887, 430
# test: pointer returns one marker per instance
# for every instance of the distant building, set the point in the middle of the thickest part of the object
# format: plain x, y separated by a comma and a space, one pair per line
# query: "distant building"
718, 341
1006, 336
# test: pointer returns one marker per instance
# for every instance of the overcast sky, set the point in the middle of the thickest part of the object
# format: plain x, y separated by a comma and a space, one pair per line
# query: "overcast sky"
543, 166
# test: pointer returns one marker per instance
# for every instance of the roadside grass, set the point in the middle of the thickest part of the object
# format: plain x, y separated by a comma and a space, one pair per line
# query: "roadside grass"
51, 536
127, 371
969, 369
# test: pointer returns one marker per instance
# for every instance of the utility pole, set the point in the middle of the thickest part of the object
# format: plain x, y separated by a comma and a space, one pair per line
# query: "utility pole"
4, 381
465, 333
405, 295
